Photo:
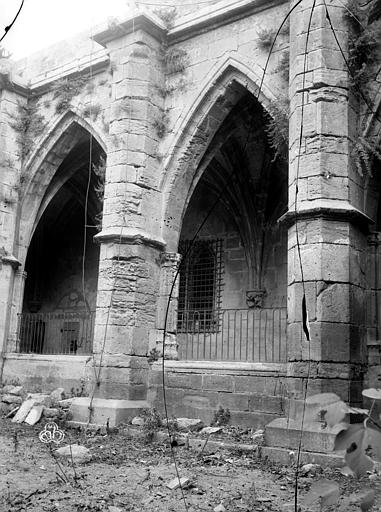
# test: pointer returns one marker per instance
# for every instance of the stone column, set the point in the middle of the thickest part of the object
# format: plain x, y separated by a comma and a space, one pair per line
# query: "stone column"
16, 309
8, 267
324, 210
170, 262
129, 269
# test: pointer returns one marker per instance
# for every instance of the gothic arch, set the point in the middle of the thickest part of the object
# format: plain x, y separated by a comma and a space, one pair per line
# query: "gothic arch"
222, 89
60, 139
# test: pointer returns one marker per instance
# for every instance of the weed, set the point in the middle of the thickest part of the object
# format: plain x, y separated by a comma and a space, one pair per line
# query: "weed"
221, 417
152, 423
175, 59
283, 67
167, 16
92, 111
364, 151
5, 81
277, 126
169, 88
66, 89
153, 355
29, 125
266, 37
161, 123
81, 390
99, 170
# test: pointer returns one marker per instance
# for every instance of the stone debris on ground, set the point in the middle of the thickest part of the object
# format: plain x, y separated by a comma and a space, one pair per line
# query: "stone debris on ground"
219, 508
138, 421
210, 430
24, 410
310, 469
75, 451
34, 415
175, 483
57, 395
186, 424
26, 407
13, 390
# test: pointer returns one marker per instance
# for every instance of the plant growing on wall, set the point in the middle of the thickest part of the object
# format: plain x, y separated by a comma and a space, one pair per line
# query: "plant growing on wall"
266, 37
277, 126
364, 43
65, 90
167, 16
161, 123
29, 125
99, 170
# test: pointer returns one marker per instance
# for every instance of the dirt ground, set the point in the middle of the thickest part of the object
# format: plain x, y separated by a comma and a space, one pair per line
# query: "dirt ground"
129, 473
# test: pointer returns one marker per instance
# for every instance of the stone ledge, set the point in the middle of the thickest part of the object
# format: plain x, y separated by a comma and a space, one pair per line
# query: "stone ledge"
329, 209
47, 357
129, 236
279, 369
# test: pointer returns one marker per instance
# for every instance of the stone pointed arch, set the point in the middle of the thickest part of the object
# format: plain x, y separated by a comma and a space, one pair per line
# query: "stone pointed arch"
221, 89
59, 139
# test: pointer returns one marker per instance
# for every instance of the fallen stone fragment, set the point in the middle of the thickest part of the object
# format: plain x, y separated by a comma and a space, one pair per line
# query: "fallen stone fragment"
57, 395
50, 412
111, 508
185, 424
65, 404
24, 410
34, 415
210, 430
13, 390
309, 468
78, 452
41, 399
138, 421
12, 412
219, 508
175, 483
11, 399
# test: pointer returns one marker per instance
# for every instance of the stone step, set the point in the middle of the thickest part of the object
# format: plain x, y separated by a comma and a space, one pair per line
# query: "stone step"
312, 406
286, 433
105, 410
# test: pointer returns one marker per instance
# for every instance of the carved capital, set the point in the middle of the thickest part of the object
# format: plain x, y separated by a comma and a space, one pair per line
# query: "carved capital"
170, 259
374, 239
254, 298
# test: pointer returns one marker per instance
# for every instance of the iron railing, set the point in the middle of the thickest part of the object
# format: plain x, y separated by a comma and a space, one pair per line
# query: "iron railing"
56, 333
252, 335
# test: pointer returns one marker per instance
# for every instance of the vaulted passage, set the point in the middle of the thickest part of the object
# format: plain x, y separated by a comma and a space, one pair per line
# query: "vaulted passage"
233, 285
62, 261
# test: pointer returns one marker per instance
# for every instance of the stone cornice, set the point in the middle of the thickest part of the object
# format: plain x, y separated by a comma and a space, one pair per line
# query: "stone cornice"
328, 209
130, 236
142, 21
193, 24
187, 26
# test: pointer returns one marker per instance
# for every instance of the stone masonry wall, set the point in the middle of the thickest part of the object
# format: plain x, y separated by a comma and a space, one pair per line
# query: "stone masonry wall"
254, 397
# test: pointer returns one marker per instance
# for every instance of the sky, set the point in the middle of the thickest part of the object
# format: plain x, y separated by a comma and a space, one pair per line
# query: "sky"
43, 22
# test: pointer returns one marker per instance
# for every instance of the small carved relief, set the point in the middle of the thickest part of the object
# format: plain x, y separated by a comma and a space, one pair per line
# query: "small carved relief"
255, 298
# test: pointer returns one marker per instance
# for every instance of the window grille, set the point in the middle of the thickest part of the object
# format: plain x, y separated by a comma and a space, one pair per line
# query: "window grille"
200, 286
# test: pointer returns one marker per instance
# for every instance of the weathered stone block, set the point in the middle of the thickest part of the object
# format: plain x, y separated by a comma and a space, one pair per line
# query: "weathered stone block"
217, 383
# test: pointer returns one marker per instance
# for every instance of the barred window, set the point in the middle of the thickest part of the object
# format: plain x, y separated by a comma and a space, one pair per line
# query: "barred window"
200, 286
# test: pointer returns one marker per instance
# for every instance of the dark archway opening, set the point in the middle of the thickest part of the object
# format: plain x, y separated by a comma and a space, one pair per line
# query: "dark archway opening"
62, 260
247, 318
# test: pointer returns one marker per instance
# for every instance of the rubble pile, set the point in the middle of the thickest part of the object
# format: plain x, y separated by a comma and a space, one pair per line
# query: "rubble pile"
24, 407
